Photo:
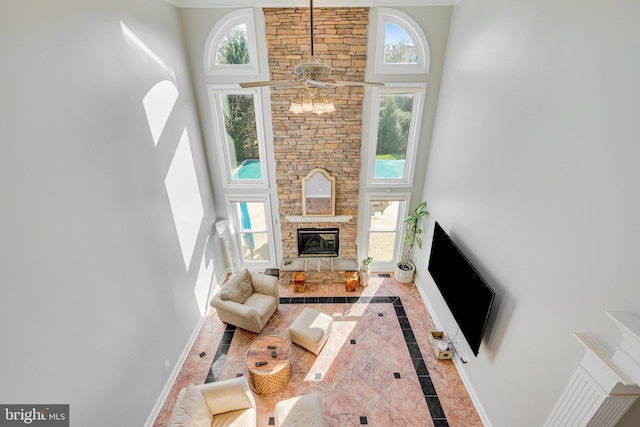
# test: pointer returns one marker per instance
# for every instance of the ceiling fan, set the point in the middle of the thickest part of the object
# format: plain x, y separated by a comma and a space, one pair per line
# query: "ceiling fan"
311, 73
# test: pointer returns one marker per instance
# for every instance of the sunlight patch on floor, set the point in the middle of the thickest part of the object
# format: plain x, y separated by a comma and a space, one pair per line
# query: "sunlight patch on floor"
337, 339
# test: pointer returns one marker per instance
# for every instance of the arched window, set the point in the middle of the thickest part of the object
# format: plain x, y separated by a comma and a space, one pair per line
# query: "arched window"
401, 46
233, 49
231, 46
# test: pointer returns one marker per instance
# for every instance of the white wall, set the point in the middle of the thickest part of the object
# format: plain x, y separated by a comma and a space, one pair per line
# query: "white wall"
95, 293
534, 172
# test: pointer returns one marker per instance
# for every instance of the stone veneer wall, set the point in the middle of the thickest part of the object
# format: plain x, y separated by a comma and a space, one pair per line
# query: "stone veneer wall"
304, 142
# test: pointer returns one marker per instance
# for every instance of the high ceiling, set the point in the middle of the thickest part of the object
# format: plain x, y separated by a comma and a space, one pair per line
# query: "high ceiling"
305, 3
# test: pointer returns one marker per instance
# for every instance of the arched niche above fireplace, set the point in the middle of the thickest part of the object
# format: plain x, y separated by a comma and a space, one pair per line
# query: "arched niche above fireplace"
318, 194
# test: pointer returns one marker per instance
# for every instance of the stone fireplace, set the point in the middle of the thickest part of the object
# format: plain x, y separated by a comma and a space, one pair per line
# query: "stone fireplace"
318, 242
331, 141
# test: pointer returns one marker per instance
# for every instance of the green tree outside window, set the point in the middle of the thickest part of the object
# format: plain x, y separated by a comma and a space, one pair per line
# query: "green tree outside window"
233, 48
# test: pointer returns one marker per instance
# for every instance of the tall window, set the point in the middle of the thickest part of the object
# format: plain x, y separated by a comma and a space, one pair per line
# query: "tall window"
398, 111
242, 136
254, 237
396, 115
384, 225
238, 115
394, 121
239, 151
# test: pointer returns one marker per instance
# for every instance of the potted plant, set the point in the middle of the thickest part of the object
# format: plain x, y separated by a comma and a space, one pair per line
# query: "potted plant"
405, 268
364, 271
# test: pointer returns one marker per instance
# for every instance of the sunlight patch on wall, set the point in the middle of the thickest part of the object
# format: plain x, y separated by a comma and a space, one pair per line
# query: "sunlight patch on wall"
203, 282
158, 104
182, 188
135, 42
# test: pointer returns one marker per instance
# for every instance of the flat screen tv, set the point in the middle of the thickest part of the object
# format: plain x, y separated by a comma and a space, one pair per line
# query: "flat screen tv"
468, 296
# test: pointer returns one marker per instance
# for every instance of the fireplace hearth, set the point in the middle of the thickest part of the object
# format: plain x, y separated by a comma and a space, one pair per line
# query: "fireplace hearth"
318, 242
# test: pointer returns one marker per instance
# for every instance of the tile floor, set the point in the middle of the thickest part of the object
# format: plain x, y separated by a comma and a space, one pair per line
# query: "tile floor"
376, 369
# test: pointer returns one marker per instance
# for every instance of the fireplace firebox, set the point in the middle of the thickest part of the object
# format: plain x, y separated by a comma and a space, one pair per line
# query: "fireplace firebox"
318, 242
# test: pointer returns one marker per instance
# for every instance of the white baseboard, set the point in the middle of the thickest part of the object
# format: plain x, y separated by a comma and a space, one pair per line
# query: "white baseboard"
183, 356
459, 366
174, 374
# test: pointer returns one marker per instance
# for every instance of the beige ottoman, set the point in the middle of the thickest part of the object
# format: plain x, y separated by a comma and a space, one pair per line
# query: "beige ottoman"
311, 329
301, 411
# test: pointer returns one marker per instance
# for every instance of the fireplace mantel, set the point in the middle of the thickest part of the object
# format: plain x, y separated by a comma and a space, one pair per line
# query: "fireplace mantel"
336, 218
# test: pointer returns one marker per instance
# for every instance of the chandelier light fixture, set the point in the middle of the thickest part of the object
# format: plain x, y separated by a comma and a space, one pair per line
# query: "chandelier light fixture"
315, 76
312, 100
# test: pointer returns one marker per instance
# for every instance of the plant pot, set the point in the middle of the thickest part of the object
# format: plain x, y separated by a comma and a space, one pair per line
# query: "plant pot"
402, 275
364, 275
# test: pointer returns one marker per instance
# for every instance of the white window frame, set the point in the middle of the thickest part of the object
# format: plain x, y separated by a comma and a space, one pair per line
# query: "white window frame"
254, 265
226, 24
419, 94
414, 31
221, 138
403, 212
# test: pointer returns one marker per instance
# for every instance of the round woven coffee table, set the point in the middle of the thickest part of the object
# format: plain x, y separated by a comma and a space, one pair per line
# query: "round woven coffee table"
273, 376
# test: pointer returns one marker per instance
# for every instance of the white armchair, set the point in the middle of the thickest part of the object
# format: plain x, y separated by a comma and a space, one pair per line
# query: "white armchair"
247, 300
221, 403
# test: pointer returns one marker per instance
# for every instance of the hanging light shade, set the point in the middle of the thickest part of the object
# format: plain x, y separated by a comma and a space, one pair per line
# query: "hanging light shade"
327, 103
312, 100
296, 104
331, 108
296, 107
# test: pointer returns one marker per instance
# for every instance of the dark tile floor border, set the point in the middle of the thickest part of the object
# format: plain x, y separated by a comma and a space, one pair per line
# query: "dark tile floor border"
431, 397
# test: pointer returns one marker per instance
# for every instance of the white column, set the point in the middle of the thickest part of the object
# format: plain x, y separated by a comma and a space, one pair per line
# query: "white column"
627, 354
603, 387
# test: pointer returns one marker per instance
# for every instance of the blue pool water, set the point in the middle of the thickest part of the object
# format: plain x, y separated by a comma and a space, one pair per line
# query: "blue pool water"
384, 169
389, 169
248, 169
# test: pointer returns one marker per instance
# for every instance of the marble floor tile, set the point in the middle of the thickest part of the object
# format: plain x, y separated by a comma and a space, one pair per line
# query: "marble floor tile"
377, 367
